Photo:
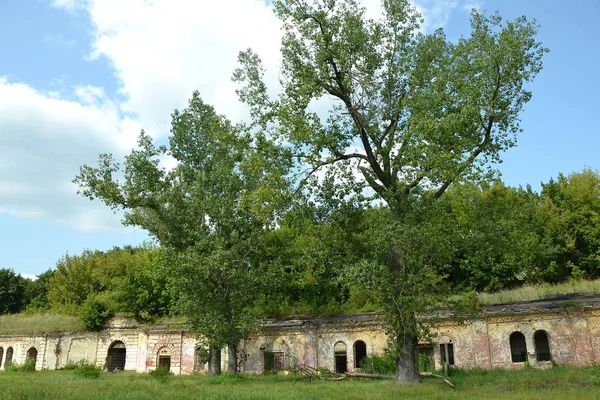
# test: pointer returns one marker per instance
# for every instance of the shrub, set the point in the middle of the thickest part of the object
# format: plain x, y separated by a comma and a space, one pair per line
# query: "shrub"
385, 365
162, 374
12, 367
87, 370
27, 366
93, 313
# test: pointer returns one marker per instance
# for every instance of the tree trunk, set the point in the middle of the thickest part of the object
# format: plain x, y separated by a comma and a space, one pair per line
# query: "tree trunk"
232, 358
407, 359
214, 361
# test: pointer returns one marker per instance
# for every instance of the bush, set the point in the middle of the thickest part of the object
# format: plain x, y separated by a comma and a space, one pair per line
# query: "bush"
72, 365
162, 374
12, 367
93, 313
385, 365
86, 370
27, 366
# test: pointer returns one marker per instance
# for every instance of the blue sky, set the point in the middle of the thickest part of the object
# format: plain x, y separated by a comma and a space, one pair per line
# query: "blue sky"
82, 77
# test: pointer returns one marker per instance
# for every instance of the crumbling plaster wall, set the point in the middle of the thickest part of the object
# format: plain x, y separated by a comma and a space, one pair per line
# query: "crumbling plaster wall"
573, 333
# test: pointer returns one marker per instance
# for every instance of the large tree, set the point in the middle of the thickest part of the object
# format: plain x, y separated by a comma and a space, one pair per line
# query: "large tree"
207, 213
411, 114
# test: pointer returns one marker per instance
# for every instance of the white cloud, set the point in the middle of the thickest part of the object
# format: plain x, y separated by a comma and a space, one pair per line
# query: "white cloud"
160, 51
31, 277
43, 141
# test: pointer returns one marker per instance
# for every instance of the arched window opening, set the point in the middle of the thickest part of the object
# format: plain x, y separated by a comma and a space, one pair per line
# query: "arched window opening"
360, 353
164, 358
446, 350
274, 360
340, 357
200, 357
542, 346
9, 356
518, 347
1, 355
117, 352
32, 356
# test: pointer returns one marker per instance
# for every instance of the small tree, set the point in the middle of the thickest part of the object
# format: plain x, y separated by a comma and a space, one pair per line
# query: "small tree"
411, 114
207, 214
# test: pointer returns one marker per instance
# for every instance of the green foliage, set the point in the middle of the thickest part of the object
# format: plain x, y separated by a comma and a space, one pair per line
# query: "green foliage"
37, 292
86, 370
93, 313
207, 213
12, 292
385, 364
27, 366
161, 374
425, 112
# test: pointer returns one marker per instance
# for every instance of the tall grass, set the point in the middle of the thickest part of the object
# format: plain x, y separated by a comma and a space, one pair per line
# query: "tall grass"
39, 324
542, 291
557, 383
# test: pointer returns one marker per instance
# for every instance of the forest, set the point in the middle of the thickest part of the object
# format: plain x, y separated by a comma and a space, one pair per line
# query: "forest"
488, 237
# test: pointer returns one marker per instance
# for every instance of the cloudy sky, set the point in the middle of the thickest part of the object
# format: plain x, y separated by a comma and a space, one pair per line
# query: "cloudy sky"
79, 77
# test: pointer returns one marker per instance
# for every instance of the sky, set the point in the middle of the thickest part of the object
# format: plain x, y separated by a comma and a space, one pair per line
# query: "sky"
81, 77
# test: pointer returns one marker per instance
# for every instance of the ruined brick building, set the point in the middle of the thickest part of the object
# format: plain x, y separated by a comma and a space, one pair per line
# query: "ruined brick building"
503, 336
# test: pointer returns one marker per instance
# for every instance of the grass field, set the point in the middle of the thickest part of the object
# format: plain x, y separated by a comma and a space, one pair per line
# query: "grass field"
557, 383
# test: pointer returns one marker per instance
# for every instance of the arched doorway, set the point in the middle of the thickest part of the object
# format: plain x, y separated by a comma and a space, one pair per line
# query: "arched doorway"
9, 356
1, 355
518, 347
341, 357
360, 353
542, 346
115, 361
164, 358
32, 356
446, 350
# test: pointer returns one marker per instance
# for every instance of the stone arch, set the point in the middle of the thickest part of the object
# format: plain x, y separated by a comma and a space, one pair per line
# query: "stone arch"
163, 358
518, 347
272, 353
116, 356
541, 340
446, 343
340, 356
9, 357
31, 356
360, 353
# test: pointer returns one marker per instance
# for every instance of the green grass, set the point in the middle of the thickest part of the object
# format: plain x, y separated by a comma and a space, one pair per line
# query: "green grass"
39, 324
557, 383
542, 291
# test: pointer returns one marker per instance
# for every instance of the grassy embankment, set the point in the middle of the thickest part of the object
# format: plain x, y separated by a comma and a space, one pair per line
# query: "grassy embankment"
559, 383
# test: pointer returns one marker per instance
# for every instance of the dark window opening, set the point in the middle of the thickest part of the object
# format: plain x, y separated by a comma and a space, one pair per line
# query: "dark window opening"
116, 357
360, 353
164, 358
199, 358
518, 347
340, 358
32, 356
9, 356
542, 346
164, 362
1, 355
273, 360
426, 363
447, 348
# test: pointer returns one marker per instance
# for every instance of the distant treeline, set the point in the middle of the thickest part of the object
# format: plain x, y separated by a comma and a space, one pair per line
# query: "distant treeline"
486, 237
